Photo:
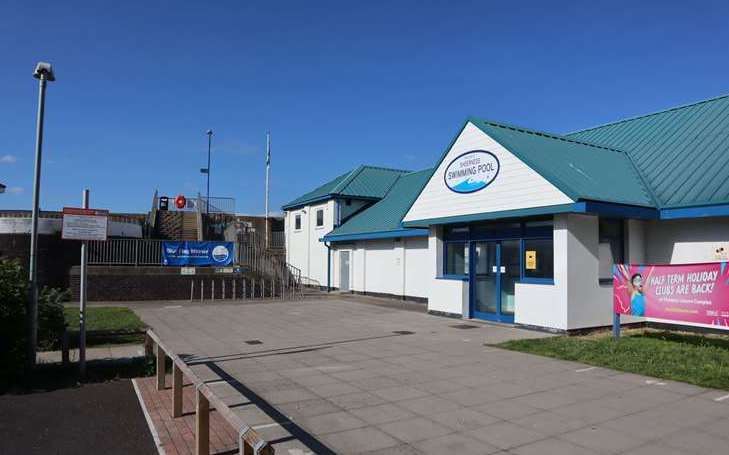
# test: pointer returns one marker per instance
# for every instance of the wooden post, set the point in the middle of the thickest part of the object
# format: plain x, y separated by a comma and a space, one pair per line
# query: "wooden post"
160, 368
222, 286
64, 346
192, 289
202, 291
212, 289
235, 280
176, 391
253, 289
202, 424
244, 289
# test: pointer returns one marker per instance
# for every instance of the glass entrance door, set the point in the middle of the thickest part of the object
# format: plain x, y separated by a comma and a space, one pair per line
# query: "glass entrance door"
495, 270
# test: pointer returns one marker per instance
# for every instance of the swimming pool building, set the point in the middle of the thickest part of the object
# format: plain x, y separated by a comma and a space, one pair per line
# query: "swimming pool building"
522, 226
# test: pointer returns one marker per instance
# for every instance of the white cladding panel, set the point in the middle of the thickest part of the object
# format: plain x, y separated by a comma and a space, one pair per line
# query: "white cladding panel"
386, 266
686, 241
303, 248
419, 270
516, 186
383, 269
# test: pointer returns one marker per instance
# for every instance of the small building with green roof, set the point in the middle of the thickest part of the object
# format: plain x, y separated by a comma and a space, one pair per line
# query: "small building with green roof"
521, 226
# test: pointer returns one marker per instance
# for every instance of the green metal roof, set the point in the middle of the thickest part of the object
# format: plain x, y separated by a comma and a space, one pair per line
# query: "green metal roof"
581, 170
682, 153
365, 182
387, 214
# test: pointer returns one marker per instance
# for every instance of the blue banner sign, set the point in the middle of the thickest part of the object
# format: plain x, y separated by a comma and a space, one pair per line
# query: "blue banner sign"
198, 253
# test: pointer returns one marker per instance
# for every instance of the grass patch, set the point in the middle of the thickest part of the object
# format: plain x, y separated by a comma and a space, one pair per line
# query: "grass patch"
116, 319
106, 326
696, 359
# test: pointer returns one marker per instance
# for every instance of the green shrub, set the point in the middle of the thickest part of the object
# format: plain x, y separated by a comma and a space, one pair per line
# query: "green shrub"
13, 320
51, 320
13, 291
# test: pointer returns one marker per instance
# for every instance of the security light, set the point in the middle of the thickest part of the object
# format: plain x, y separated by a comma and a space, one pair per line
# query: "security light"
43, 68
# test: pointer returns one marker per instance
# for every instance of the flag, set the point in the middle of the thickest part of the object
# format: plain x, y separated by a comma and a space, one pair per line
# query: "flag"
268, 149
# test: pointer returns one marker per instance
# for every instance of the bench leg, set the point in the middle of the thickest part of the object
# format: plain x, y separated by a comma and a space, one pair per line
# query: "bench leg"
202, 424
160, 368
176, 391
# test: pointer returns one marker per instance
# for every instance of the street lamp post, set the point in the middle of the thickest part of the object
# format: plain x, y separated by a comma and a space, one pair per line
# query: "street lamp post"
207, 170
44, 73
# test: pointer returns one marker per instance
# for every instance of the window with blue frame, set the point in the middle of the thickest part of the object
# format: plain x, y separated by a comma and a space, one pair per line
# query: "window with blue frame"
456, 260
611, 248
538, 259
536, 239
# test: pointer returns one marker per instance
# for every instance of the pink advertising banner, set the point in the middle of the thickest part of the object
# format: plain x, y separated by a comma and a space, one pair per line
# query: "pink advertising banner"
697, 293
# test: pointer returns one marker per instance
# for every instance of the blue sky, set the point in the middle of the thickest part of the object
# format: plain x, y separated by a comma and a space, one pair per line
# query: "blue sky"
337, 83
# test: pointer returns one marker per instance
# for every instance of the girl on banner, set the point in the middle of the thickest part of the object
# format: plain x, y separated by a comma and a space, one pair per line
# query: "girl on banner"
637, 285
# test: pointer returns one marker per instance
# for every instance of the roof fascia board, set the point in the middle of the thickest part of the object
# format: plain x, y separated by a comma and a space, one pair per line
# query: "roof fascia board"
516, 213
581, 207
616, 210
695, 212
375, 235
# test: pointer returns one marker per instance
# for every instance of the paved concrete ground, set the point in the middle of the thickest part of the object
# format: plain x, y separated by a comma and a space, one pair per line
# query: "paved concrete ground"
336, 377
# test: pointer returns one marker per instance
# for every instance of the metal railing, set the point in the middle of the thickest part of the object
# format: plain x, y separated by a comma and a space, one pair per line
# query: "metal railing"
250, 253
277, 240
125, 252
249, 440
217, 205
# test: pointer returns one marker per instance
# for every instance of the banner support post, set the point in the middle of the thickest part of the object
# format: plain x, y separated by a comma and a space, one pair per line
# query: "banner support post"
616, 325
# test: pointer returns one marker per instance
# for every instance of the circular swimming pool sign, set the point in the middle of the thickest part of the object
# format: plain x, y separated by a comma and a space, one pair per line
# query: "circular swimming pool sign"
220, 253
471, 171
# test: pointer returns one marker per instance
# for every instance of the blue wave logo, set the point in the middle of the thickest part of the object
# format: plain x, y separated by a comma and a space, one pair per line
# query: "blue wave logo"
220, 253
471, 171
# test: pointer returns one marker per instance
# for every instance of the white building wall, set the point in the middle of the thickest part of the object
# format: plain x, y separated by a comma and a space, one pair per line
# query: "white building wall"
303, 248
544, 305
589, 303
418, 270
444, 296
686, 241
516, 186
386, 266
383, 269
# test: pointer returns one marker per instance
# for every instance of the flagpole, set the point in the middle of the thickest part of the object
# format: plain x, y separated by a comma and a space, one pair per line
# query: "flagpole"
268, 169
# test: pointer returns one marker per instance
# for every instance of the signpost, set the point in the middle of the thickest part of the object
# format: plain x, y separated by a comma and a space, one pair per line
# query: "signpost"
84, 224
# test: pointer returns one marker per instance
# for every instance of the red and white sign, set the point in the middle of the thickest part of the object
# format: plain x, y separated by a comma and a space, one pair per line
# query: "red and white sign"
84, 224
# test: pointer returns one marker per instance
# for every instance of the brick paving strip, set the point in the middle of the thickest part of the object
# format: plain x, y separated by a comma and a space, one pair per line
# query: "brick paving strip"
176, 436
337, 376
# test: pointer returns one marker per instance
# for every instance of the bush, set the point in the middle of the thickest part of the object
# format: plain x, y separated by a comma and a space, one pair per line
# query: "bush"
13, 291
13, 321
51, 320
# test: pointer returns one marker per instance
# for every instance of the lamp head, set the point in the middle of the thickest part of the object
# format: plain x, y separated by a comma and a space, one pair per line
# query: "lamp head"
44, 69
209, 132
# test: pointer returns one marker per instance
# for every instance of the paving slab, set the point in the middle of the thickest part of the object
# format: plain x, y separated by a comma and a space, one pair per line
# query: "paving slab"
342, 376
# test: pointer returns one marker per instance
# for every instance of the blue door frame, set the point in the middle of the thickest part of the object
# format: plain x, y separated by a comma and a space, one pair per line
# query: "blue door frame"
497, 316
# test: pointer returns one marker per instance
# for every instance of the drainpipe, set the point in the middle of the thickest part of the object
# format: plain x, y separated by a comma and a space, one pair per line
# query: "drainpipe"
329, 266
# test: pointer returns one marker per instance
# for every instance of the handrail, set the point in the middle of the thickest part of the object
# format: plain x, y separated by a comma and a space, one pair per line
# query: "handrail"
248, 438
